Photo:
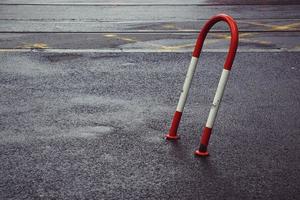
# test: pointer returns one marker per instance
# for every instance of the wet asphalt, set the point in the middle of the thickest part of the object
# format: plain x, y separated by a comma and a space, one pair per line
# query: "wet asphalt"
91, 126
88, 91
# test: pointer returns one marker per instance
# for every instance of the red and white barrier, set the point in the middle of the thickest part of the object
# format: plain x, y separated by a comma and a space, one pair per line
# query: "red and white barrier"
172, 135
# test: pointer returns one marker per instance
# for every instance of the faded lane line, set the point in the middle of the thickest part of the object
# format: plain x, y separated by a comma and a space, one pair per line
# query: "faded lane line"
241, 35
182, 46
39, 45
176, 47
297, 47
211, 41
287, 27
120, 38
127, 39
170, 26
272, 27
241, 38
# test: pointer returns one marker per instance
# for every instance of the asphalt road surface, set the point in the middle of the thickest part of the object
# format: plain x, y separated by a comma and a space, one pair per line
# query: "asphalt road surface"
88, 90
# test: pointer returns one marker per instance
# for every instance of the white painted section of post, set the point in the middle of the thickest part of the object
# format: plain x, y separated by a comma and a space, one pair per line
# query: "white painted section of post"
217, 99
187, 84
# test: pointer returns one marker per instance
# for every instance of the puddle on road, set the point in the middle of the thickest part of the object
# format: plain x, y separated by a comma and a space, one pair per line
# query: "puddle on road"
86, 132
107, 157
97, 100
23, 65
117, 112
154, 138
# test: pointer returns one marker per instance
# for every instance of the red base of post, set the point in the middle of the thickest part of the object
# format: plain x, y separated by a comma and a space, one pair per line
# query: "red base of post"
172, 135
202, 151
199, 153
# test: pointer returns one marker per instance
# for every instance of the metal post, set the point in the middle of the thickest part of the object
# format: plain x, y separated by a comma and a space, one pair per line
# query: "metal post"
172, 135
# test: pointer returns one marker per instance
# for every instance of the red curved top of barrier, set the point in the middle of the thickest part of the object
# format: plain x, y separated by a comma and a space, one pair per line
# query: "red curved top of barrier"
234, 37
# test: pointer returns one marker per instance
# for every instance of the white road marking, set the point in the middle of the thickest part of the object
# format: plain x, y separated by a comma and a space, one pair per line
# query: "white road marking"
146, 50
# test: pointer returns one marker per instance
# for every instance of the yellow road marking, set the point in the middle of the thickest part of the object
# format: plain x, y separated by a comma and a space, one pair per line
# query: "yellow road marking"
259, 24
228, 36
243, 39
176, 47
121, 38
242, 36
169, 26
34, 46
170, 48
220, 36
292, 26
110, 35
297, 47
